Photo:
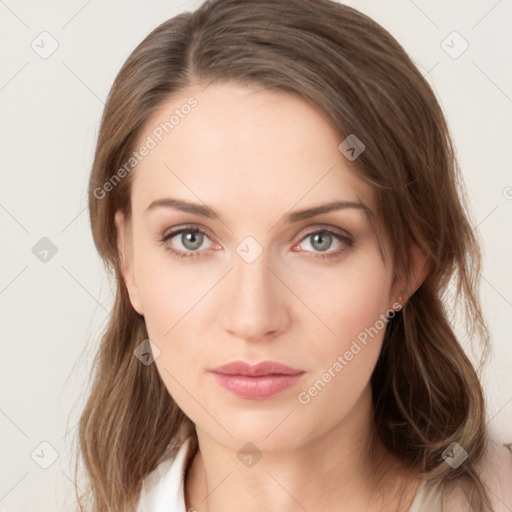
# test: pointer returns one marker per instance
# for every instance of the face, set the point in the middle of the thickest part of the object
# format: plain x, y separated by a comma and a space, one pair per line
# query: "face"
253, 279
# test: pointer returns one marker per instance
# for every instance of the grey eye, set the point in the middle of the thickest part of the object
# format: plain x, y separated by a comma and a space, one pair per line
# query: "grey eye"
321, 241
192, 240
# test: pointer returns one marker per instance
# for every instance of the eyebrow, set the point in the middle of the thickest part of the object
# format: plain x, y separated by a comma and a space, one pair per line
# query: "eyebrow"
205, 211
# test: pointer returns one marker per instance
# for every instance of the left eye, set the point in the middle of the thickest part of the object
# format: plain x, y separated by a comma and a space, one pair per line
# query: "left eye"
321, 241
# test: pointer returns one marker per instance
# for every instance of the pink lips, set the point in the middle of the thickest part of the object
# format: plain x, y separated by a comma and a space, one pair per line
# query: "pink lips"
259, 381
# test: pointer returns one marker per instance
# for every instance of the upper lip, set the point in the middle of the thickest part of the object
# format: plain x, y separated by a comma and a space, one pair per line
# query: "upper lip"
255, 370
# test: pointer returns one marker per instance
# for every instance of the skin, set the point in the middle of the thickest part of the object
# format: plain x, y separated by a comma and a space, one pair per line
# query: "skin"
254, 156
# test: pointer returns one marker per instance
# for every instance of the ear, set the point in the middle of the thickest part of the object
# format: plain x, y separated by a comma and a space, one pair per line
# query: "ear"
419, 270
125, 249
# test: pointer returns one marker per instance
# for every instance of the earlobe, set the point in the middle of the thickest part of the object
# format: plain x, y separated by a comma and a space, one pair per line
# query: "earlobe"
419, 269
417, 275
125, 251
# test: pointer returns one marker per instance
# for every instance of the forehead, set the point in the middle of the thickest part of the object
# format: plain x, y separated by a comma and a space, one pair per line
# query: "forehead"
236, 147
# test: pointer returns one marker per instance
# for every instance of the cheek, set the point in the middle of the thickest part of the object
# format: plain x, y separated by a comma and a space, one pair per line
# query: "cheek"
168, 289
346, 299
353, 308
178, 313
173, 312
362, 304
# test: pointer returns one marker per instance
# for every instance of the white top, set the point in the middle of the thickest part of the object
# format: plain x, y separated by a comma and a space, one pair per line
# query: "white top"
427, 499
163, 488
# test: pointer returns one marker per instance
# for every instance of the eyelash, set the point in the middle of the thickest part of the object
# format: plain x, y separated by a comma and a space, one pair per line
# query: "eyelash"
346, 240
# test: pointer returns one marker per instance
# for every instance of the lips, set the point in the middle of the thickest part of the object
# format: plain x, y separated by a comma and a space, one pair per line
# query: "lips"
263, 368
256, 382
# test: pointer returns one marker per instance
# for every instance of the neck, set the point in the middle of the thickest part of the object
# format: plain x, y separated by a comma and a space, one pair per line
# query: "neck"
340, 469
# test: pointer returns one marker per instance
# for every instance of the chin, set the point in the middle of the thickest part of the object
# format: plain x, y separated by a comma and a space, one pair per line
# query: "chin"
268, 435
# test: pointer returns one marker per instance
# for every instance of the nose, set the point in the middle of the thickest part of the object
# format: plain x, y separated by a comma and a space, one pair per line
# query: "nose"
256, 307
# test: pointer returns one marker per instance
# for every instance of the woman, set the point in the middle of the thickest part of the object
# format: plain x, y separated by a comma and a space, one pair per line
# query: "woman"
276, 193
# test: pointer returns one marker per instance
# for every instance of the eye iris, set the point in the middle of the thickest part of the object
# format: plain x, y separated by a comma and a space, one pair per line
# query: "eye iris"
192, 239
324, 239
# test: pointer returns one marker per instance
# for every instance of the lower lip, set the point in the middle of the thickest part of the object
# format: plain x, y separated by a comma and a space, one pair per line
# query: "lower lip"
257, 388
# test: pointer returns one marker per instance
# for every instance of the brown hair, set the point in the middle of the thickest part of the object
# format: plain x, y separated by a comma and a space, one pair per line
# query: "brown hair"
425, 390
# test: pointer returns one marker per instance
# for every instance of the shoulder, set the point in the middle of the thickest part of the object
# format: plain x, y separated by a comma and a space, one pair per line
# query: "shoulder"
496, 475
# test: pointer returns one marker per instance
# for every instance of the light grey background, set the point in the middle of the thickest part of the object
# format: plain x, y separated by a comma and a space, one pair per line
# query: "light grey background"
53, 311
